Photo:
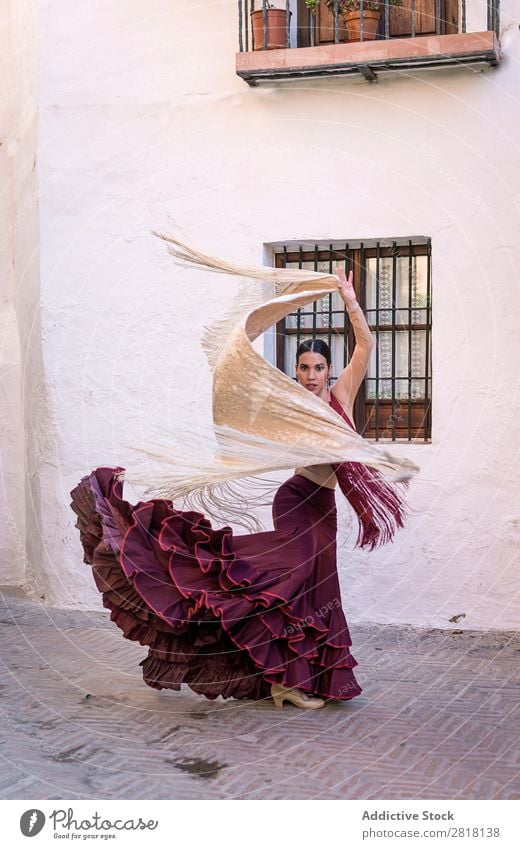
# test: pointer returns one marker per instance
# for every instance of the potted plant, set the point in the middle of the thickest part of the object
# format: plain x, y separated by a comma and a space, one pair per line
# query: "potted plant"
350, 11
276, 27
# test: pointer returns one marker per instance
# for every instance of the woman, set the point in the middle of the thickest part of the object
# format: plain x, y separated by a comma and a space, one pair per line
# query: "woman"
256, 615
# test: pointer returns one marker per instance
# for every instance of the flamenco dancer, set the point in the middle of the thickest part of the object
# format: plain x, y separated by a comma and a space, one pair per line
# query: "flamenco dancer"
255, 615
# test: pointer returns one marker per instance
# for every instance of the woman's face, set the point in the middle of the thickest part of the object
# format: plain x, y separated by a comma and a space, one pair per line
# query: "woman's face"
313, 372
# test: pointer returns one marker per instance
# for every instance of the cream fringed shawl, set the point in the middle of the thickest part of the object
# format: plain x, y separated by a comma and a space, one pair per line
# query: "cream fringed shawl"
262, 419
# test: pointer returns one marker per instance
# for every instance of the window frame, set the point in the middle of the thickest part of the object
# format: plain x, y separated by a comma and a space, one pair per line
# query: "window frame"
353, 255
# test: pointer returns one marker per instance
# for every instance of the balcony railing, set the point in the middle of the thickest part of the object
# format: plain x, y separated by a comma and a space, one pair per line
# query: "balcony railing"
290, 41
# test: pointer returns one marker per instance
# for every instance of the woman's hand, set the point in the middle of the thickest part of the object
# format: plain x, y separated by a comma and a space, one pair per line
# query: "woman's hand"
346, 289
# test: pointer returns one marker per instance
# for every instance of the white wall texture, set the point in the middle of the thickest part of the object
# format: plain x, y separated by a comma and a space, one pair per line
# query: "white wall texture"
144, 124
21, 380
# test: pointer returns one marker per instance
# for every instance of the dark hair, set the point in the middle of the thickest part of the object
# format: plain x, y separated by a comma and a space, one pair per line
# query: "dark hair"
313, 346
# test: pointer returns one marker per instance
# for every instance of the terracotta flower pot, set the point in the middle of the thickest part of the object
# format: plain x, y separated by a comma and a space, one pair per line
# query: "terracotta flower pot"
276, 28
370, 25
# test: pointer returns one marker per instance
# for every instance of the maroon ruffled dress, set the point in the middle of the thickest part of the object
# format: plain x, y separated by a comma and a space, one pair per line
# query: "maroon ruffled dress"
227, 614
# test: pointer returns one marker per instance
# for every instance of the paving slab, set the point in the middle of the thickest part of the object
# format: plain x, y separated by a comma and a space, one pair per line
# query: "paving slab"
438, 719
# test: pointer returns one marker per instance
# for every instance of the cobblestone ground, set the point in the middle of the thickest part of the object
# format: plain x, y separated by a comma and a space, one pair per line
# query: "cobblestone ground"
437, 719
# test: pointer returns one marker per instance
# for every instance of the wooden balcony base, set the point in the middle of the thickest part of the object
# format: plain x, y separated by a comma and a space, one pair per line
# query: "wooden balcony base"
368, 57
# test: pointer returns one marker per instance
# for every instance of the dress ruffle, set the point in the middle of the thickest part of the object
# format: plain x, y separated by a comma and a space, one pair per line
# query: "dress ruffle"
227, 614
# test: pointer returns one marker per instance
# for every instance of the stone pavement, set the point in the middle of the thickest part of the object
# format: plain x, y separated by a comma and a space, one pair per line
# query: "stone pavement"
438, 719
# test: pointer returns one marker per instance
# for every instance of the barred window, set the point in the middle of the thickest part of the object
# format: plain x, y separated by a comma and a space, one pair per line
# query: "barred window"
392, 279
428, 19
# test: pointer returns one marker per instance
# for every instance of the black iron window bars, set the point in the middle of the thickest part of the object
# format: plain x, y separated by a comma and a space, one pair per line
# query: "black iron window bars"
392, 279
247, 7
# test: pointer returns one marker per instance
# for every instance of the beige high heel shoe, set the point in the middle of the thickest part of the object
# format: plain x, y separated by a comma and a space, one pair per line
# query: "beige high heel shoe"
282, 694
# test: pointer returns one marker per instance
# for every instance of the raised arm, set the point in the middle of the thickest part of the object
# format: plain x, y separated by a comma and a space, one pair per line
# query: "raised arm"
347, 385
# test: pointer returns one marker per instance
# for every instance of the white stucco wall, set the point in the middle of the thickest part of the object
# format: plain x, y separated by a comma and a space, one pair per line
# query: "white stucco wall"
144, 123
20, 337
